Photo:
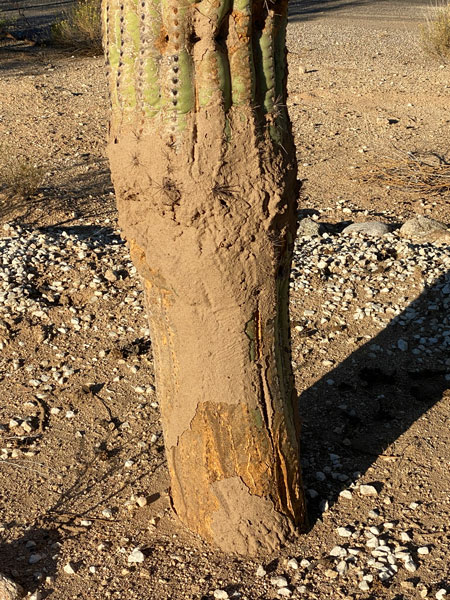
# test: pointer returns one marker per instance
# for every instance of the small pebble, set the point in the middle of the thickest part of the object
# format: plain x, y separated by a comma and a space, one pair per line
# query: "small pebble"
69, 569
341, 567
331, 574
220, 594
344, 532
410, 566
422, 589
292, 563
440, 594
305, 563
279, 581
364, 586
136, 556
423, 550
368, 490
260, 571
284, 591
346, 494
338, 552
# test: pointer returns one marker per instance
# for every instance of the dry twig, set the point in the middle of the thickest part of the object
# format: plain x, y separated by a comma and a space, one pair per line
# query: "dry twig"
423, 172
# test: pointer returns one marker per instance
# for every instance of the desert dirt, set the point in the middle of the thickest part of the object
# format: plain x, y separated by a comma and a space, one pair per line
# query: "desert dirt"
83, 480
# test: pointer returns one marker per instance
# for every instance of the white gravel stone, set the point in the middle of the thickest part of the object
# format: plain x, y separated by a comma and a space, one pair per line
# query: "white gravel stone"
220, 594
305, 563
279, 581
338, 552
346, 494
292, 564
136, 556
342, 567
410, 566
440, 594
260, 571
385, 575
368, 490
364, 586
69, 569
285, 592
344, 532
423, 550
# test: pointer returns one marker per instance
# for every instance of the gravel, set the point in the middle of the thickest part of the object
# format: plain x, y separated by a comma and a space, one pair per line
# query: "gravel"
40, 269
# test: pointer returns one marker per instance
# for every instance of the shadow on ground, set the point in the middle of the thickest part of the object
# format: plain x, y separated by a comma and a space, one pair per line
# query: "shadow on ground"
305, 10
86, 191
361, 408
31, 19
30, 559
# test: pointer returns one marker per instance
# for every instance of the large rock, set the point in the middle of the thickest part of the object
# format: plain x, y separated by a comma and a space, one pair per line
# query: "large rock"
308, 227
9, 590
424, 229
368, 228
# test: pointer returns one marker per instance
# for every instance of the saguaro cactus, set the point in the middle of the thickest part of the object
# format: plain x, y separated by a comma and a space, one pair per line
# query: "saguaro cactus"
204, 169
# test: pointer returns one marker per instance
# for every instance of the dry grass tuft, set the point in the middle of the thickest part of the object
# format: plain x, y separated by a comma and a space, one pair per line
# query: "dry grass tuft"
81, 28
20, 178
6, 23
435, 33
422, 172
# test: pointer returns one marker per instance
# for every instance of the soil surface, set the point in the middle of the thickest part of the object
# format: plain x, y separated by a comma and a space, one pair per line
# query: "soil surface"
84, 507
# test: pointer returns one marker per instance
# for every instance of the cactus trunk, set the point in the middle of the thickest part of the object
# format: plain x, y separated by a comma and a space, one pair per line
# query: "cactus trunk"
204, 168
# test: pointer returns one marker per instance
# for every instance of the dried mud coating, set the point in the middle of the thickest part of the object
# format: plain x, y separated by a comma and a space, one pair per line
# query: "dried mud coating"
203, 165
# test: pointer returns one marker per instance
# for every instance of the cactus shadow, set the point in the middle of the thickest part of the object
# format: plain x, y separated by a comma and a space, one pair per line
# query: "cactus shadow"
31, 559
360, 409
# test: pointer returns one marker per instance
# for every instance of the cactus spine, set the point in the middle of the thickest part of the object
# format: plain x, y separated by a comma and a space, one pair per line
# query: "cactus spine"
204, 168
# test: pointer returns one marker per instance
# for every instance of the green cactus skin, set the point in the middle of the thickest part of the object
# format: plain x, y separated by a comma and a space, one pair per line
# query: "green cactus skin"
129, 48
150, 27
265, 67
177, 77
169, 59
112, 37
